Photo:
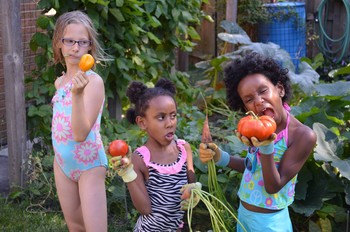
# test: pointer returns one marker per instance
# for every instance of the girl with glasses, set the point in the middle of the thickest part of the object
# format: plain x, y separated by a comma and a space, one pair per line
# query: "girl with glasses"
80, 161
259, 84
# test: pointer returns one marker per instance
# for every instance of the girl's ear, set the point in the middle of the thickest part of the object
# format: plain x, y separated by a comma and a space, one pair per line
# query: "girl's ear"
141, 122
280, 89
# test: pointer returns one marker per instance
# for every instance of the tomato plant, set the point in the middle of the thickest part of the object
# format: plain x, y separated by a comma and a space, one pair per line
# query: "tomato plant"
118, 148
86, 62
254, 126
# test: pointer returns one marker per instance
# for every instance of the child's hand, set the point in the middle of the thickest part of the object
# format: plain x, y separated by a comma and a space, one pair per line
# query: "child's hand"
79, 81
257, 143
124, 167
186, 191
266, 147
244, 139
208, 151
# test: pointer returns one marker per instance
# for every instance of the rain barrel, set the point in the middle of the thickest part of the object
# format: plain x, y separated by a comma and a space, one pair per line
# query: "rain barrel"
287, 28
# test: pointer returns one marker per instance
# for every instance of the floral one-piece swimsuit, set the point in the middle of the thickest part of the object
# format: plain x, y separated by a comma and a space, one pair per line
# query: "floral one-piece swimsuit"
74, 157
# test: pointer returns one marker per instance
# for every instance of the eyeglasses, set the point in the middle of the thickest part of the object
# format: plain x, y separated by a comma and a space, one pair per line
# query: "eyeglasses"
250, 162
81, 43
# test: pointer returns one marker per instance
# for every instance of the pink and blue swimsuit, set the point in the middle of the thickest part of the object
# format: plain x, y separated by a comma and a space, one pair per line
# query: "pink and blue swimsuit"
74, 157
252, 190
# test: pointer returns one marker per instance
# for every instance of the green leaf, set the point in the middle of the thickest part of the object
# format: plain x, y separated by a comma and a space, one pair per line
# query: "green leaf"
119, 3
41, 40
340, 71
117, 14
175, 13
187, 16
325, 224
32, 110
193, 33
329, 148
317, 193
339, 88
35, 191
234, 38
222, 178
154, 22
42, 22
304, 176
150, 6
198, 164
153, 37
137, 60
313, 227
122, 64
135, 29
153, 72
159, 11
336, 120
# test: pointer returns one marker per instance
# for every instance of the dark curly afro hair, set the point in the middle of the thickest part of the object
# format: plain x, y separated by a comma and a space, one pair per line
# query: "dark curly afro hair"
253, 63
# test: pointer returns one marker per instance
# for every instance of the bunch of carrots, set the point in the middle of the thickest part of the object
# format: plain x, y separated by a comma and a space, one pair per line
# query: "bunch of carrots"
222, 214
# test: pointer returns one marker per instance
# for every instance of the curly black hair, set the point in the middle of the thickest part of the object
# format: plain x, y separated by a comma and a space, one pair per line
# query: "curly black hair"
140, 95
253, 63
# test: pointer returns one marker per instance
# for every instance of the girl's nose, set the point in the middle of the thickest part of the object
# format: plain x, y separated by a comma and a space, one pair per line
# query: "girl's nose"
259, 100
170, 122
75, 47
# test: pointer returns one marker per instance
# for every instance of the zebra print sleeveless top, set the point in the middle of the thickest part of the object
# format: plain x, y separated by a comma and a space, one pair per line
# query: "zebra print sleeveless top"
163, 186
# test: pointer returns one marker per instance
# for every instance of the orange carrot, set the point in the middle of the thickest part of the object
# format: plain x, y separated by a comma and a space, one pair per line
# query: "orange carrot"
206, 136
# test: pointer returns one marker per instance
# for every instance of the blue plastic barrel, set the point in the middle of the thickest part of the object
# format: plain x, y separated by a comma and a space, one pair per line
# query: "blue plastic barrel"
287, 28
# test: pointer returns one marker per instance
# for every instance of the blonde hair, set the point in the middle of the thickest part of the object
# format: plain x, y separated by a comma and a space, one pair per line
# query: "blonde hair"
77, 17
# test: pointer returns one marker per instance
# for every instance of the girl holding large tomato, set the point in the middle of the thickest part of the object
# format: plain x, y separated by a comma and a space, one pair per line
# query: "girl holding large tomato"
161, 173
259, 85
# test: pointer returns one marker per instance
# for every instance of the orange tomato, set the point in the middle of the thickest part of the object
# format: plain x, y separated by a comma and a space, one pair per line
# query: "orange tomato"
118, 148
86, 62
254, 126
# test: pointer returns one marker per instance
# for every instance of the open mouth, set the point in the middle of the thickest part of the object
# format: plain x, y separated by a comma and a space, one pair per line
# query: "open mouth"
170, 136
268, 112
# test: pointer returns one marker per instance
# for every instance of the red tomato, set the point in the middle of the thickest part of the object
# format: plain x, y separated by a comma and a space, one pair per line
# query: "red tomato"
259, 127
118, 148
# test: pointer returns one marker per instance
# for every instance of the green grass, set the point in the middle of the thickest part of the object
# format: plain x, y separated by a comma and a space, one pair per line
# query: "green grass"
15, 217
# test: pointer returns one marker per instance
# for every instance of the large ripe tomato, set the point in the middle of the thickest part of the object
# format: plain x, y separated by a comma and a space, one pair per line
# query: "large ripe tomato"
253, 126
86, 62
118, 148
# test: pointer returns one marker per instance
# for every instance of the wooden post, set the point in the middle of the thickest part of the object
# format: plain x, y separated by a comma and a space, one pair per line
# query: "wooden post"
14, 90
231, 10
231, 16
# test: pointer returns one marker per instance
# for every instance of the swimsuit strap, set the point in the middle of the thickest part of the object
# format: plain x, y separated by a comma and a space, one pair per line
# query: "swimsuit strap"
284, 132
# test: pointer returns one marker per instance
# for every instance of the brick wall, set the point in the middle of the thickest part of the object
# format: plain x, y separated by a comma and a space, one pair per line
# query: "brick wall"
29, 14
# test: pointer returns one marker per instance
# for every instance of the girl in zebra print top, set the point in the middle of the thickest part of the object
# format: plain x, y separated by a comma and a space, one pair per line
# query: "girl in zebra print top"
162, 168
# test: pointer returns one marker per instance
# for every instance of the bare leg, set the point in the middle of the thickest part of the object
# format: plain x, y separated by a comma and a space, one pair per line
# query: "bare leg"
68, 195
93, 199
